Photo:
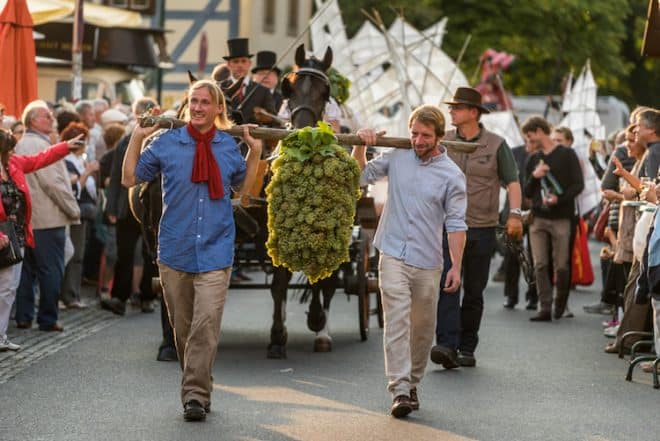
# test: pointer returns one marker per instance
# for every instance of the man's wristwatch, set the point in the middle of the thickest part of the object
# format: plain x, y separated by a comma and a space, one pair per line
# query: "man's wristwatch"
515, 211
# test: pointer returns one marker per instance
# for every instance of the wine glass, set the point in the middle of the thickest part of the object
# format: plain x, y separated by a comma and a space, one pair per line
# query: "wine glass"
646, 183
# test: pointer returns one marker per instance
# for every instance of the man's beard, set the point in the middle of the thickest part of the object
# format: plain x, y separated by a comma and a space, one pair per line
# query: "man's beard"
426, 151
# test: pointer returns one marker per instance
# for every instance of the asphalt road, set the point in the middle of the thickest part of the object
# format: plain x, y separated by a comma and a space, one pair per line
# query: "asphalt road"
533, 381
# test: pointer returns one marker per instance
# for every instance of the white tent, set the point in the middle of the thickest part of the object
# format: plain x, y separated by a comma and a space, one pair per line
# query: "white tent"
392, 70
504, 124
584, 122
327, 29
566, 99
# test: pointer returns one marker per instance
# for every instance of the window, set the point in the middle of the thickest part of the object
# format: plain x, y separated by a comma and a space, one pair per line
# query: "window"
63, 90
269, 16
140, 5
143, 6
292, 23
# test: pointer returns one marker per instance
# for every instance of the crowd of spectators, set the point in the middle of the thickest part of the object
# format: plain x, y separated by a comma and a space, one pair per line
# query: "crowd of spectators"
623, 221
70, 209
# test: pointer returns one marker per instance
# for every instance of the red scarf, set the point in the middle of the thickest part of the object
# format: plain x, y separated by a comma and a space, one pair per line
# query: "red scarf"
205, 168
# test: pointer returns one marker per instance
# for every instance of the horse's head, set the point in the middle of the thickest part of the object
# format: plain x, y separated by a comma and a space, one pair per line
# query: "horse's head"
307, 89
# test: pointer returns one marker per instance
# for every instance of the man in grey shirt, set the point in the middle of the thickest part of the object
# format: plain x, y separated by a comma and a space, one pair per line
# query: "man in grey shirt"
426, 191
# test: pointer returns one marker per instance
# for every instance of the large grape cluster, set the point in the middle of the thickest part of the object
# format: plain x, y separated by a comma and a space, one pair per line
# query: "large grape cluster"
311, 203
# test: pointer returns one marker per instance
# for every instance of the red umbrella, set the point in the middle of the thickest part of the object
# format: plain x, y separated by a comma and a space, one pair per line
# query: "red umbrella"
18, 66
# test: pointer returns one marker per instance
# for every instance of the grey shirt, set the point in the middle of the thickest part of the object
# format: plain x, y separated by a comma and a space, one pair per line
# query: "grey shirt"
421, 198
652, 160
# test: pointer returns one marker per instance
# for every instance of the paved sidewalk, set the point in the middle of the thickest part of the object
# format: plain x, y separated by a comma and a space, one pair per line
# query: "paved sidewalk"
36, 345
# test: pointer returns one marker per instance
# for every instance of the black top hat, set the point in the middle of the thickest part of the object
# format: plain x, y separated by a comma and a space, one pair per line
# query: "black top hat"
238, 47
266, 60
468, 96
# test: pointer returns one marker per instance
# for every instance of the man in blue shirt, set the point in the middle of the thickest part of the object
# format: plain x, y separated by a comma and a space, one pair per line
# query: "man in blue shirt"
196, 236
426, 191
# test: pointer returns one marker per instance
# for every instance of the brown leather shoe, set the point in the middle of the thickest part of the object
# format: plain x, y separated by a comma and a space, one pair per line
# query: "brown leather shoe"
414, 401
401, 406
55, 327
23, 325
445, 356
541, 316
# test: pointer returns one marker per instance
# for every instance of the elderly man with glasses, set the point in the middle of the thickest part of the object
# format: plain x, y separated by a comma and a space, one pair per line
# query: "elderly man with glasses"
53, 208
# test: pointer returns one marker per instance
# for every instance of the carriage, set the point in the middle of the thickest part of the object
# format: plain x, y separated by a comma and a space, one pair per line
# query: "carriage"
357, 277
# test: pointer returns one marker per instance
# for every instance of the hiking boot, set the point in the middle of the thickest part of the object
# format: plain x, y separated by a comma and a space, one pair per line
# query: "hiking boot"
444, 356
466, 359
401, 406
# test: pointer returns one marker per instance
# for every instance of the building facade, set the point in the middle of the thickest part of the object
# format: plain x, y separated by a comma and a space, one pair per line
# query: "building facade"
269, 24
195, 34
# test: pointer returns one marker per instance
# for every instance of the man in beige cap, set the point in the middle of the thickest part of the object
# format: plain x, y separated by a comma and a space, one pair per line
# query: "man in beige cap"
113, 116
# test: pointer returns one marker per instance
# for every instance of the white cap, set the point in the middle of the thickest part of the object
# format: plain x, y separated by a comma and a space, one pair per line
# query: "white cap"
113, 116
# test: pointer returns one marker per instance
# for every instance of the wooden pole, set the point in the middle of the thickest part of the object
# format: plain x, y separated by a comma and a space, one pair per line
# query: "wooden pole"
279, 134
76, 50
349, 138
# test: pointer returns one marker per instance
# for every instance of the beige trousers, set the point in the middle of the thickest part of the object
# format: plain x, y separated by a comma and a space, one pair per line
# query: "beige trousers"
195, 303
542, 234
410, 301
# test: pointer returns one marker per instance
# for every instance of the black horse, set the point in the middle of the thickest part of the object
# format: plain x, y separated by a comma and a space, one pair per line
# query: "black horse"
307, 91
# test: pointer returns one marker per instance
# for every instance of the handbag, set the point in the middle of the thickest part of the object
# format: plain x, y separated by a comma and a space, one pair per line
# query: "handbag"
582, 272
11, 254
601, 223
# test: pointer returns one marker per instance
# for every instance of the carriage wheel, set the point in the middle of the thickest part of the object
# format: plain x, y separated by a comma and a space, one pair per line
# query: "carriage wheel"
362, 269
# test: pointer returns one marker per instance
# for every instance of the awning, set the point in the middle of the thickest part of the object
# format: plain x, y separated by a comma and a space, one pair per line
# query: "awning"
45, 11
103, 46
651, 43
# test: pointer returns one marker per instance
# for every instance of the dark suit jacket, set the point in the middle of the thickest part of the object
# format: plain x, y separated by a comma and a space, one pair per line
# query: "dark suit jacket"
261, 97
117, 194
278, 98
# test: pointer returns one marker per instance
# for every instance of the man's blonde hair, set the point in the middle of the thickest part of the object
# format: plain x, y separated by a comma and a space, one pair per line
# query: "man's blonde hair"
431, 116
222, 122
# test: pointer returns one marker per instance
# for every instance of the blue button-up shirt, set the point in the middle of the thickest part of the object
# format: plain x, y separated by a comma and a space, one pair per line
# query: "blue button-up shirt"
421, 197
196, 232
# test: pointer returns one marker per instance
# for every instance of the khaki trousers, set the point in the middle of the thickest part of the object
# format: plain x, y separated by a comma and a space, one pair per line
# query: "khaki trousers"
195, 303
542, 234
410, 299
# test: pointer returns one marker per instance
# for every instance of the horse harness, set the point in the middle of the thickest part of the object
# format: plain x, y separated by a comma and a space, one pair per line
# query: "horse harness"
314, 73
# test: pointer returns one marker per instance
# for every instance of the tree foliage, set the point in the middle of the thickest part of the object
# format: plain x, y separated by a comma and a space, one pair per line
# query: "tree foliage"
548, 37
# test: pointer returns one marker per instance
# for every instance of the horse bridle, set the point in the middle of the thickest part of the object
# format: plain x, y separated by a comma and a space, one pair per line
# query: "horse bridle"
318, 74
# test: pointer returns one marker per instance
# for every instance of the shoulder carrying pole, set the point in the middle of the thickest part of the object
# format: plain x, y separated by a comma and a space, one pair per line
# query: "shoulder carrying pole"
349, 139
343, 138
